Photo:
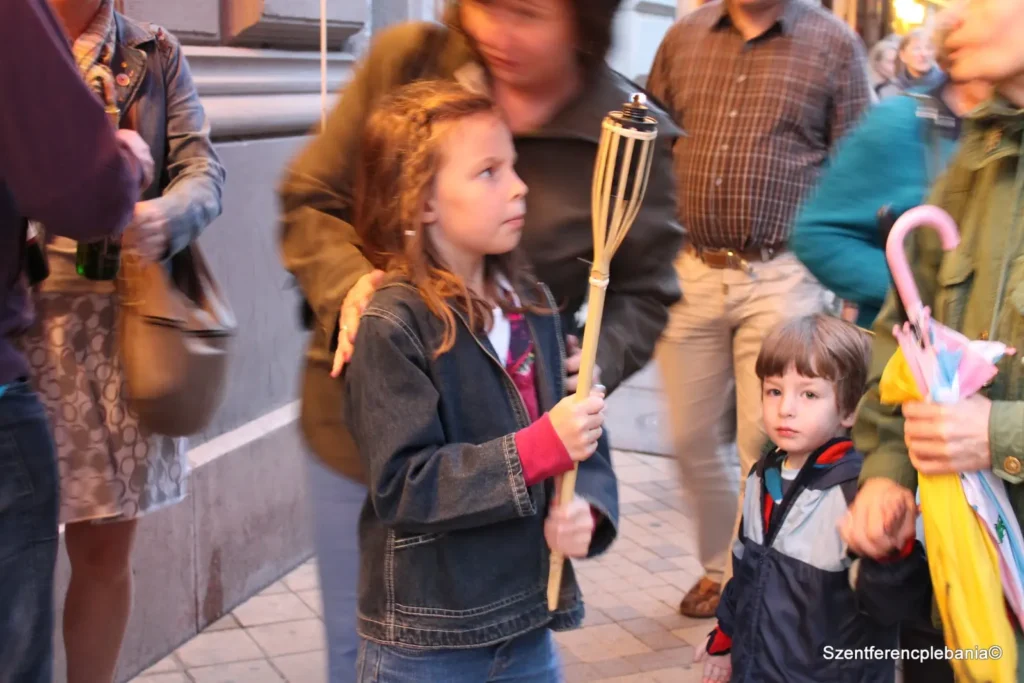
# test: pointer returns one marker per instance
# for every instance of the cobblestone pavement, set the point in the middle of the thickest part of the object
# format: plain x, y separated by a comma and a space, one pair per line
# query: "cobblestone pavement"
633, 632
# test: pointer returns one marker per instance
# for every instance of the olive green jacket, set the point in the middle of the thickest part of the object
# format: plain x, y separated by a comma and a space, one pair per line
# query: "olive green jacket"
320, 246
977, 288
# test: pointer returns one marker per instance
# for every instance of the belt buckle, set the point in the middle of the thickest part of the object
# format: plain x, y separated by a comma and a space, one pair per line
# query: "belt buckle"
724, 258
737, 262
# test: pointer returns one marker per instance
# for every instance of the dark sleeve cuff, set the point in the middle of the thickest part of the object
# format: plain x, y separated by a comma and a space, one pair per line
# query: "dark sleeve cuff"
718, 642
541, 452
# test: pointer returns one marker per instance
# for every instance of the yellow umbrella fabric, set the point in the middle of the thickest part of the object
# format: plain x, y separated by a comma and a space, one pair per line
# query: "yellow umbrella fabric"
897, 385
963, 561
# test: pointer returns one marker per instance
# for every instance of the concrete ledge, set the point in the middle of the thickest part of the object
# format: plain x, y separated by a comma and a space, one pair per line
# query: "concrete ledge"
244, 524
260, 93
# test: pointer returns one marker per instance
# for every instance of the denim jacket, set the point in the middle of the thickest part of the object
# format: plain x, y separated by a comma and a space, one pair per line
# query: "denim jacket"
451, 537
158, 99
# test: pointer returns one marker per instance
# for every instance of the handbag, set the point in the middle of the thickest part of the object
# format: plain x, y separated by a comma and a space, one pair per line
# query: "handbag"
176, 329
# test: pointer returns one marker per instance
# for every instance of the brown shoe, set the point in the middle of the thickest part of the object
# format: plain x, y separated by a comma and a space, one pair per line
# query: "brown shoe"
702, 600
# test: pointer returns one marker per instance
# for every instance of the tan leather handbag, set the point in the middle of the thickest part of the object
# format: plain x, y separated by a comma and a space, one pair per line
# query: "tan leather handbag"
175, 331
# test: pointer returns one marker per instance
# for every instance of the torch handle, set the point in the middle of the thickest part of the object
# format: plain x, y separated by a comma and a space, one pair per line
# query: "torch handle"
591, 335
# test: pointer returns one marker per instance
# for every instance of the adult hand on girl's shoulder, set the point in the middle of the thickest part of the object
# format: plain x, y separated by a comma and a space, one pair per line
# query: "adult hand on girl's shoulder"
717, 668
579, 424
569, 529
149, 231
573, 357
356, 301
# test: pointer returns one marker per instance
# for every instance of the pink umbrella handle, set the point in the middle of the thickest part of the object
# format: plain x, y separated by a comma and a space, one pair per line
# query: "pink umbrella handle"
895, 253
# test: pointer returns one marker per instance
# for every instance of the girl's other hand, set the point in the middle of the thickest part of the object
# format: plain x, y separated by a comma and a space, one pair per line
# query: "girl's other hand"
569, 530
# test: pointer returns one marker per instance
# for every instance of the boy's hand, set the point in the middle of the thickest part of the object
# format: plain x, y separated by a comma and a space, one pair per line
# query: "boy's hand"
870, 528
895, 511
717, 668
569, 530
579, 424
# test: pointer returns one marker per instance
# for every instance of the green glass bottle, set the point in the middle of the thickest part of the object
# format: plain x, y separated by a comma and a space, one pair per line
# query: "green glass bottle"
100, 260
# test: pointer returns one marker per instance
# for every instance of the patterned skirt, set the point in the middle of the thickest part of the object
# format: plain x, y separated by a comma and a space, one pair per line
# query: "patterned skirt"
111, 467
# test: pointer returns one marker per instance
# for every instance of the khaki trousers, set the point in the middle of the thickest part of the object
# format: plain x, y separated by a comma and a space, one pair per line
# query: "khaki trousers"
709, 347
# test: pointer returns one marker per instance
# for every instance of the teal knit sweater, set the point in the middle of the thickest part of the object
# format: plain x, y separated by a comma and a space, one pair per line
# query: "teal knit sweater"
884, 160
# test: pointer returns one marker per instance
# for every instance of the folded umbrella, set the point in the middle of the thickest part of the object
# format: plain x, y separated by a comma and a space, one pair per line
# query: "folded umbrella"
972, 576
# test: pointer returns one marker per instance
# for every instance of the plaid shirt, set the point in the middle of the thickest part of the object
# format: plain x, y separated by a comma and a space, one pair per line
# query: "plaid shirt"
761, 117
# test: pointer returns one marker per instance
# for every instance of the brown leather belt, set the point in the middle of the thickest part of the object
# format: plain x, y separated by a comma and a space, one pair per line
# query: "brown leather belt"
735, 259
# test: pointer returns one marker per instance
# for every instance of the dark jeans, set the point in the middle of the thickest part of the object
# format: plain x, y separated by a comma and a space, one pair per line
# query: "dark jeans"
530, 658
923, 637
28, 538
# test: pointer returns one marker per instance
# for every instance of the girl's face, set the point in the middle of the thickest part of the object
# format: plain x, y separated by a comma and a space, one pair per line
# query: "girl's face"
984, 40
917, 56
525, 43
478, 203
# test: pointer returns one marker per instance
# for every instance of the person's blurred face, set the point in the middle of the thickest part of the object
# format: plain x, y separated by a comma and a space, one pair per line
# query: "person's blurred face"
917, 56
885, 64
525, 43
757, 5
985, 40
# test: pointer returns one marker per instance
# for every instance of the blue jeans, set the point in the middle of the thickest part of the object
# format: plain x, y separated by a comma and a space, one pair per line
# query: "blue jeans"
336, 504
530, 658
29, 496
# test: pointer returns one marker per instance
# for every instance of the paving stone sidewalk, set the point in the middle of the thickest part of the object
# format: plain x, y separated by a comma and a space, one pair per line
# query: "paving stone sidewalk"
633, 632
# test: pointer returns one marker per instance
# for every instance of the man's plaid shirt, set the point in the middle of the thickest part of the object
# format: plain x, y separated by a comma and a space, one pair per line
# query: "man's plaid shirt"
760, 117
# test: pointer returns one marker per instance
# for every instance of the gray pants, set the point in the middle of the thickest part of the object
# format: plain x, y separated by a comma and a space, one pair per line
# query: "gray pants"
336, 504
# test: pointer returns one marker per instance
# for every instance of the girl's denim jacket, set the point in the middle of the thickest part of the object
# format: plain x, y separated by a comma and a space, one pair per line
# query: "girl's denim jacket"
451, 537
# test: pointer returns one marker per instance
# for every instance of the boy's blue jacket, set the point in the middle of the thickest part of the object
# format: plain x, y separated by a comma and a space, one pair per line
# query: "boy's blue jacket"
882, 162
789, 600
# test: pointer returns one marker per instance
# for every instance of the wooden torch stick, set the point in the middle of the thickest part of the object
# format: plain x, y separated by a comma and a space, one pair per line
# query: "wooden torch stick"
591, 334
636, 133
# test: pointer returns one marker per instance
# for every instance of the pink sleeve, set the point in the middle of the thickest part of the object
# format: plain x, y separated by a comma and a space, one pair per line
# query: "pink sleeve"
541, 451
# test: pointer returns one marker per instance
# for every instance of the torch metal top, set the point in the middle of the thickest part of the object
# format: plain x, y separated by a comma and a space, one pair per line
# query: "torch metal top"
635, 115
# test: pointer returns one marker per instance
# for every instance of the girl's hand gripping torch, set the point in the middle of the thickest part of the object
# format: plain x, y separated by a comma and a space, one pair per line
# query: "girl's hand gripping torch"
621, 170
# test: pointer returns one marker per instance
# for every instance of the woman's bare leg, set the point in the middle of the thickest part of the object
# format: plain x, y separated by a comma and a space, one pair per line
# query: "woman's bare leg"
99, 598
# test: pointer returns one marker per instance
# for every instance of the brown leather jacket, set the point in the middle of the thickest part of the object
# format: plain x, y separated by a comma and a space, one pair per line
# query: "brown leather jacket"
320, 246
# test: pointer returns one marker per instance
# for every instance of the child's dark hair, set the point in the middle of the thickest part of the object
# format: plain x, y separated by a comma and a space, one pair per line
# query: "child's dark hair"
399, 157
820, 346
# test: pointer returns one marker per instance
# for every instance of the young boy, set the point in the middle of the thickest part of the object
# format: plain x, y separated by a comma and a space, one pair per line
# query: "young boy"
789, 614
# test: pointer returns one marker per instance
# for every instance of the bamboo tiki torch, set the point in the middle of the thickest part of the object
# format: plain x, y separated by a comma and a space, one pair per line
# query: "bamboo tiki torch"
621, 170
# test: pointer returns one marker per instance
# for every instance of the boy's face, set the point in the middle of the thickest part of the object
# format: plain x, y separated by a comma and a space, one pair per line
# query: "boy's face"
801, 413
982, 39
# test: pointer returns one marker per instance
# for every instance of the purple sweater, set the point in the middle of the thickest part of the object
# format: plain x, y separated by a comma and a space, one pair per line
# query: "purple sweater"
60, 163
